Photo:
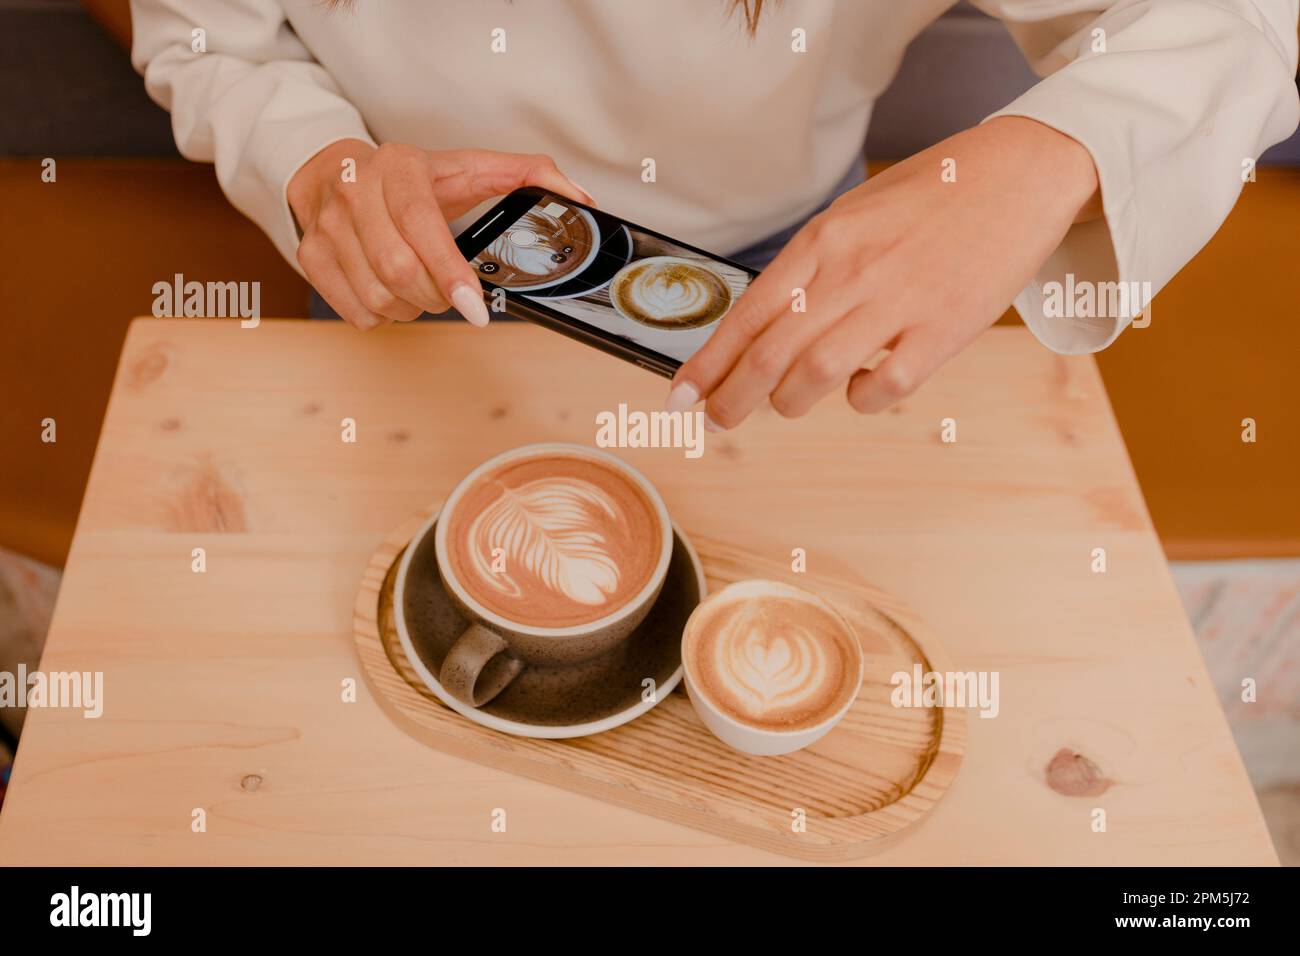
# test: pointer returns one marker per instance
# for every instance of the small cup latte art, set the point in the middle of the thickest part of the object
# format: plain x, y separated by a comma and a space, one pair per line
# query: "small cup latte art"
774, 672
772, 658
670, 293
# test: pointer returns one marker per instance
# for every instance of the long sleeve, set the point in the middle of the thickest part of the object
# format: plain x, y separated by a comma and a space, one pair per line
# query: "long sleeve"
1173, 99
254, 102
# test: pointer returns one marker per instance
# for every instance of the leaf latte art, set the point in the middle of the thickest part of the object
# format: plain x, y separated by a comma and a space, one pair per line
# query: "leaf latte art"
553, 542
772, 661
544, 529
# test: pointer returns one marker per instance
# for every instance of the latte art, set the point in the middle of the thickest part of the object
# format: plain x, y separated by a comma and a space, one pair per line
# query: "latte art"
670, 293
546, 529
541, 249
553, 540
769, 668
772, 657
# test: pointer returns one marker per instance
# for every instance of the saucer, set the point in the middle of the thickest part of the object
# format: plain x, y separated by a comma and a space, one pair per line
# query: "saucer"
555, 702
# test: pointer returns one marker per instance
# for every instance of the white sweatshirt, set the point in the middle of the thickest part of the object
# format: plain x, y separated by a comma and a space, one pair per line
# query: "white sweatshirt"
1171, 98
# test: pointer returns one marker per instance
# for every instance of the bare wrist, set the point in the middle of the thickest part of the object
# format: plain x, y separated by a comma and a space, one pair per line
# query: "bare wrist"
1073, 173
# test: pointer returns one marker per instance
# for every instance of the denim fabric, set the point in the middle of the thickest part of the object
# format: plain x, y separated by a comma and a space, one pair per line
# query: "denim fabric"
756, 256
764, 251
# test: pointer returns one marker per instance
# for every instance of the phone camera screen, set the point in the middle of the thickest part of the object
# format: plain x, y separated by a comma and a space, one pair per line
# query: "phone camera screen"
612, 276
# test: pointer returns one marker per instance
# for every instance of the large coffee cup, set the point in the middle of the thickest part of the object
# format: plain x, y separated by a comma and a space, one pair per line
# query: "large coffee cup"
554, 553
546, 247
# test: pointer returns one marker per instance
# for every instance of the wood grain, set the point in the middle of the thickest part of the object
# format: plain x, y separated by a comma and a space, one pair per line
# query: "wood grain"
233, 445
878, 773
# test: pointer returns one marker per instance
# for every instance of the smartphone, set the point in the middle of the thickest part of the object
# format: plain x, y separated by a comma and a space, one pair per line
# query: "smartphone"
622, 288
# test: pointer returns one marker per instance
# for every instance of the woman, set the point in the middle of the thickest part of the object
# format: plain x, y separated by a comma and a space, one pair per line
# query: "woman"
1117, 167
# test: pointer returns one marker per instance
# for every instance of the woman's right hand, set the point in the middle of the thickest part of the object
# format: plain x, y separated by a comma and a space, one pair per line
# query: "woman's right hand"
378, 247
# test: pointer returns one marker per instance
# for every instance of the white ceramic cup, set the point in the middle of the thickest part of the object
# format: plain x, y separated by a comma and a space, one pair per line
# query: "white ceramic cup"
744, 737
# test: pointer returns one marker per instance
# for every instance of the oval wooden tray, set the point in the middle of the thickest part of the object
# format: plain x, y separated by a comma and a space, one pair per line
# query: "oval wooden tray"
873, 776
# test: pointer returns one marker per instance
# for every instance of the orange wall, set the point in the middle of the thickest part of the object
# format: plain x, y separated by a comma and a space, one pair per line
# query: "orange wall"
1223, 345
78, 259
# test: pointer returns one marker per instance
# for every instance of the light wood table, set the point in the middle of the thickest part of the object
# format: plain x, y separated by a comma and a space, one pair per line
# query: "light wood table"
223, 689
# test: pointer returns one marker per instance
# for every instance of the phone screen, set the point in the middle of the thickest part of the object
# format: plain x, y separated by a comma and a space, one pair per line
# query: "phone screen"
607, 274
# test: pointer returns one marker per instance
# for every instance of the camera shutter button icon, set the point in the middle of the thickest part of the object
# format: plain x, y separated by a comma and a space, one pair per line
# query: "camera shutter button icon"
523, 237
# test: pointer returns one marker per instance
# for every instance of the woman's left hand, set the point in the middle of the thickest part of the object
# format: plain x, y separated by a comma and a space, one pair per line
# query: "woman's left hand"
907, 262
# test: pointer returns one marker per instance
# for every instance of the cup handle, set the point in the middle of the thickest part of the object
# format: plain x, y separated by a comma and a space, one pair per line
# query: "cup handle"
477, 668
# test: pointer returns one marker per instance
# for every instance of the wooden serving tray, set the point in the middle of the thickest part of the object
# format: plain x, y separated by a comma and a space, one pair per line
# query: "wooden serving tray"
877, 773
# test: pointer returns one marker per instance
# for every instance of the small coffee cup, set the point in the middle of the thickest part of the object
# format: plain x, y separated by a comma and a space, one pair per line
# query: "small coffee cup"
769, 667
495, 647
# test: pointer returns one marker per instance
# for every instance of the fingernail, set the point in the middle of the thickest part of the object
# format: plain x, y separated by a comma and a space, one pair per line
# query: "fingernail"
470, 304
711, 426
591, 201
681, 397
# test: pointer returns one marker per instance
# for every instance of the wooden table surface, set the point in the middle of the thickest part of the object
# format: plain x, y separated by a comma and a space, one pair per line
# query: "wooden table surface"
222, 690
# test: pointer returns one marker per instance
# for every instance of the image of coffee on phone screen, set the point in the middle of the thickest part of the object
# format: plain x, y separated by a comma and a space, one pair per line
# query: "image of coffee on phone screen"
618, 286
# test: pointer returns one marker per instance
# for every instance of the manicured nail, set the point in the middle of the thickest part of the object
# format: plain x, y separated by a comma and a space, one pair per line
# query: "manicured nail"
470, 304
591, 201
711, 426
681, 397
